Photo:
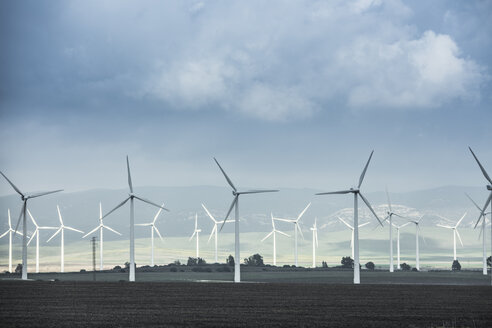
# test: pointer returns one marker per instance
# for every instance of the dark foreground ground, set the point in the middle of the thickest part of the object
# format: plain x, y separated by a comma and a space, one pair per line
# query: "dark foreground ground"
118, 304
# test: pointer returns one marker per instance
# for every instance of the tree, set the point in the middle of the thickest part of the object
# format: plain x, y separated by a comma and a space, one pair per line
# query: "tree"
456, 266
324, 264
177, 262
254, 260
230, 260
200, 261
489, 260
192, 261
347, 262
405, 267
370, 265
18, 269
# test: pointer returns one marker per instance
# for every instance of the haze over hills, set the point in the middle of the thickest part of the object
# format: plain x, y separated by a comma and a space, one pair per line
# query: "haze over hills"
81, 209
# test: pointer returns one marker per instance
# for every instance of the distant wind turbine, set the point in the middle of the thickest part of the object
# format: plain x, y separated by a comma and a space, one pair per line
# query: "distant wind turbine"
357, 194
152, 229
455, 233
352, 236
417, 230
390, 219
397, 227
131, 197
101, 228
25, 198
62, 240
487, 202
235, 204
197, 233
36, 233
214, 230
10, 232
273, 233
484, 235
296, 228
314, 229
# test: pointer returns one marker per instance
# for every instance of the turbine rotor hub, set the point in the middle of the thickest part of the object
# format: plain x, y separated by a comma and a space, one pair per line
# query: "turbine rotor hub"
489, 187
234, 193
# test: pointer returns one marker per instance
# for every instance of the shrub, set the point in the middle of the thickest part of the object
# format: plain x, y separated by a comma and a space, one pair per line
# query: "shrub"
224, 268
405, 267
117, 268
324, 264
456, 266
200, 261
489, 260
18, 269
286, 266
415, 270
177, 262
82, 270
254, 260
347, 262
370, 265
192, 261
230, 260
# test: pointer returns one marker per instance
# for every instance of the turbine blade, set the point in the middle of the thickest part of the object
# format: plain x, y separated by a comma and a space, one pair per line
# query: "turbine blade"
149, 202
20, 216
267, 236
389, 202
282, 233
158, 233
73, 229
363, 224
316, 237
32, 219
212, 233
10, 222
117, 207
459, 237
443, 226
364, 171
209, 214
284, 220
225, 175
481, 167
229, 212
303, 211
421, 235
53, 236
457, 224
335, 192
143, 224
256, 191
32, 237
39, 194
129, 175
158, 212
59, 215
193, 235
482, 213
348, 225
300, 231
90, 232
476, 205
404, 225
5, 233
370, 207
111, 229
13, 185
400, 216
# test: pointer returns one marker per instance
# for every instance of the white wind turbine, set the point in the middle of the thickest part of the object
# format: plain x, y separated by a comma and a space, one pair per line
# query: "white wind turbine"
487, 202
296, 228
484, 236
235, 204
357, 193
397, 227
214, 230
131, 197
197, 233
10, 232
417, 231
25, 198
273, 233
455, 233
153, 227
36, 233
101, 228
314, 229
353, 230
62, 240
389, 217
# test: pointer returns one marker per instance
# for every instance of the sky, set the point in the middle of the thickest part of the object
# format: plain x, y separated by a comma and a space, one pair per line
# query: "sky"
282, 93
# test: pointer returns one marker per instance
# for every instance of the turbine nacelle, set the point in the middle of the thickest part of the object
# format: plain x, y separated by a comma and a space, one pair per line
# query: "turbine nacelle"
489, 187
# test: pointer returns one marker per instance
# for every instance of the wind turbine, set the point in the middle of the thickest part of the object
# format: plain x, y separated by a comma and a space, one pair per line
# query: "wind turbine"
197, 233
314, 229
417, 230
455, 233
353, 230
487, 202
296, 228
62, 230
214, 230
10, 232
101, 227
36, 233
357, 193
273, 232
131, 197
25, 198
153, 227
484, 235
235, 204
390, 214
397, 227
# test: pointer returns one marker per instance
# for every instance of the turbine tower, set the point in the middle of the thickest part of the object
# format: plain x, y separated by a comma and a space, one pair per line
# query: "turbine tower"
487, 202
484, 236
10, 232
314, 229
153, 227
455, 233
357, 193
62, 240
397, 227
417, 230
25, 198
101, 228
36, 233
214, 230
273, 232
131, 197
235, 204
197, 233
389, 217
296, 228
352, 236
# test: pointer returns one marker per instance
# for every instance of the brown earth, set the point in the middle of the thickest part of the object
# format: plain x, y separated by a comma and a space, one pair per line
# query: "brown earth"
123, 304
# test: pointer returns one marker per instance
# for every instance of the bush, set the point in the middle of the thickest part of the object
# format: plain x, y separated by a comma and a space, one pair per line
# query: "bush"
286, 266
18, 269
177, 262
173, 269
405, 267
82, 270
456, 266
224, 268
347, 262
230, 260
489, 260
370, 265
117, 268
415, 270
254, 260
191, 261
324, 264
200, 261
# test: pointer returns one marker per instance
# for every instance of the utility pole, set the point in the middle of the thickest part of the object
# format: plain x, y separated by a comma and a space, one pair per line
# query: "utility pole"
93, 241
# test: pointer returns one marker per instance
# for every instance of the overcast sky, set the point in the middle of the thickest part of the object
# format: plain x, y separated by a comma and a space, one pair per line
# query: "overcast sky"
283, 93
